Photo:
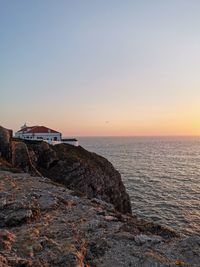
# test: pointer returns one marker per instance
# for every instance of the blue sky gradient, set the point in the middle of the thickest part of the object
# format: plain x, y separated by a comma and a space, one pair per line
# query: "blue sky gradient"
90, 67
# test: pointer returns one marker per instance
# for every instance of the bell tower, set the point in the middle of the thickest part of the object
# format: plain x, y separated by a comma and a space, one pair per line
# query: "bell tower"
23, 126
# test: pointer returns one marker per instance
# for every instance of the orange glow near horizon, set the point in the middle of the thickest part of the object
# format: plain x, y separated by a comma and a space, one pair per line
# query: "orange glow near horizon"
131, 128
121, 122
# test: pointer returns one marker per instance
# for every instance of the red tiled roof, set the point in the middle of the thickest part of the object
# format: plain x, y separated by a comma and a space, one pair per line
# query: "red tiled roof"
25, 129
37, 129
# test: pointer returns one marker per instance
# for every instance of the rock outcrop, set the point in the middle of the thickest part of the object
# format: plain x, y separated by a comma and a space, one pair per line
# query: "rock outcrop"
82, 171
5, 143
44, 224
78, 169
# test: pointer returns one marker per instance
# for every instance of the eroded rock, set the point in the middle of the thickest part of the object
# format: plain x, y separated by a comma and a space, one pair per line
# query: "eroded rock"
144, 239
61, 229
5, 143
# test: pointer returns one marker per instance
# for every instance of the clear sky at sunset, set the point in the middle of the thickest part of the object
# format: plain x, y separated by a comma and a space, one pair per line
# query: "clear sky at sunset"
107, 67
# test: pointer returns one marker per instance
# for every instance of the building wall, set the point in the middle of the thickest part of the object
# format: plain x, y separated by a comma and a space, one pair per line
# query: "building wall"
48, 137
39, 136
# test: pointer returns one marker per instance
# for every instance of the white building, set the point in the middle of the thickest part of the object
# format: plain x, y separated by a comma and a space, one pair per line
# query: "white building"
40, 133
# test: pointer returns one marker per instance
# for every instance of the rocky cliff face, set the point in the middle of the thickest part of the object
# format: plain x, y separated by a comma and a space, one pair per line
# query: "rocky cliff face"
5, 143
76, 168
82, 171
44, 224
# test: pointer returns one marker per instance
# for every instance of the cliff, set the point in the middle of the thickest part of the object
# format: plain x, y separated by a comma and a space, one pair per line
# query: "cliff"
78, 169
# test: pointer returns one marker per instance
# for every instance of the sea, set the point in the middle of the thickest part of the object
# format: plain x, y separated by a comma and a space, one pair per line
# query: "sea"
161, 175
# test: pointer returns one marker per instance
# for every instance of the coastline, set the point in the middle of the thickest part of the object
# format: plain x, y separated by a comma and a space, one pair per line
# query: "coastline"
44, 223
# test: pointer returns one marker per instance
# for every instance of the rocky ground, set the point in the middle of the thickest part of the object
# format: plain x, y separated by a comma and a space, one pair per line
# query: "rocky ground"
43, 223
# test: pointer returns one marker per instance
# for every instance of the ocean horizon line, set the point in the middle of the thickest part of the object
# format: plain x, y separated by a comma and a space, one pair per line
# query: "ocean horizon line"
134, 136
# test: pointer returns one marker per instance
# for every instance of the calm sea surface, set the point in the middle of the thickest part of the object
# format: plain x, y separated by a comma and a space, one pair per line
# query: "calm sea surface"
161, 174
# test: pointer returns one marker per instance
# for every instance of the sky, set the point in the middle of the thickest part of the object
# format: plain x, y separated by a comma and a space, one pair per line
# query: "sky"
101, 68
